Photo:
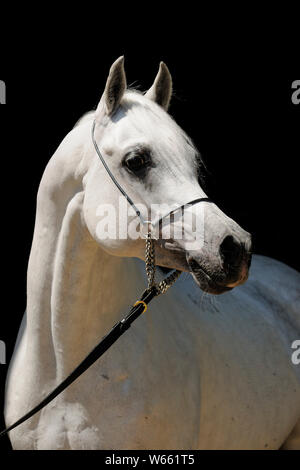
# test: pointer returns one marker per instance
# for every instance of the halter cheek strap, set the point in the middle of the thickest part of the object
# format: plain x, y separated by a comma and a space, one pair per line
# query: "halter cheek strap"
112, 176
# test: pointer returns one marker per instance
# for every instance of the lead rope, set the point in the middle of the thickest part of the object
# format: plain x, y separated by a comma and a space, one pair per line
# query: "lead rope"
153, 290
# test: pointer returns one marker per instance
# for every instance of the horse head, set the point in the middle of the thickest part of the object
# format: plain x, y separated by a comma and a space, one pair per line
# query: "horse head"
157, 165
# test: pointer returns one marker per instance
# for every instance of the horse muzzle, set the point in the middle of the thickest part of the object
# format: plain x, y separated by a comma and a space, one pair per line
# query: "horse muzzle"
222, 273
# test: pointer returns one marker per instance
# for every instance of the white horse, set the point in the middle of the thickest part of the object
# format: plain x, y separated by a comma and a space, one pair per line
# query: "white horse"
196, 371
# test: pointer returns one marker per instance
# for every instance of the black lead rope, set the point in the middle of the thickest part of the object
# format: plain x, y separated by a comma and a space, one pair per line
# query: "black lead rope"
117, 330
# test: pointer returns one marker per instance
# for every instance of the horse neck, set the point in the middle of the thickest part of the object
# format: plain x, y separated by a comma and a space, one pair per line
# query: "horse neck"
75, 291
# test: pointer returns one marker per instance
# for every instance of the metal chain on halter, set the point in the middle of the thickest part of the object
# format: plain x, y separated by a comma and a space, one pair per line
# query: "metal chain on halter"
163, 285
150, 260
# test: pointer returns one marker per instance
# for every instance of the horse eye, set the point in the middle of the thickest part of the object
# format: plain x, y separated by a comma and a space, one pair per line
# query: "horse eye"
138, 162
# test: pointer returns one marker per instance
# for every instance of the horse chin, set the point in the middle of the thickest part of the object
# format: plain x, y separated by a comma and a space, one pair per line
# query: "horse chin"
207, 285
206, 281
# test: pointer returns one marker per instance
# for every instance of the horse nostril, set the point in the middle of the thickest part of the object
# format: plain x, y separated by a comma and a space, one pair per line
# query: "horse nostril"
231, 251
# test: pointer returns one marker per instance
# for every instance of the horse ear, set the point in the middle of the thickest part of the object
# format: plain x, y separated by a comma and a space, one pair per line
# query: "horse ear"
161, 90
115, 87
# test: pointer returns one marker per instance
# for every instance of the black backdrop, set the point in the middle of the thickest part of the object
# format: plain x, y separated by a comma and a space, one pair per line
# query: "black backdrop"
239, 114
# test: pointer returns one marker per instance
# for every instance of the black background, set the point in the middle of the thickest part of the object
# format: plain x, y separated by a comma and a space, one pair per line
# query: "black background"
237, 110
